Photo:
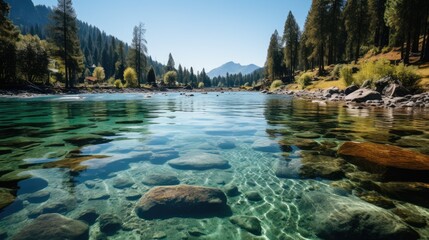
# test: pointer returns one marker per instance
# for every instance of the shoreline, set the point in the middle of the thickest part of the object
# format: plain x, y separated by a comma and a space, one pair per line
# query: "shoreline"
370, 99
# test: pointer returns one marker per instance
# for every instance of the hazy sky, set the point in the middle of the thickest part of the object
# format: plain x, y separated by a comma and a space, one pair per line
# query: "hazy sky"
198, 33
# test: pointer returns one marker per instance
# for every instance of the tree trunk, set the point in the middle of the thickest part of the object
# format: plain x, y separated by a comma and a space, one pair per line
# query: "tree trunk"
65, 46
416, 38
407, 48
425, 36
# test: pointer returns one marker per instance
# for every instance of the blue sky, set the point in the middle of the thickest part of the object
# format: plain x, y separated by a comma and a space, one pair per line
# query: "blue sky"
198, 33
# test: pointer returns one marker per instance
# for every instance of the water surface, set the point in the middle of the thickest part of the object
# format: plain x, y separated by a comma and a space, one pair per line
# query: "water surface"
94, 151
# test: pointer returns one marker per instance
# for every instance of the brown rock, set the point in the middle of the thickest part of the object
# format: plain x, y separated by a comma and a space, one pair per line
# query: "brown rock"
182, 200
394, 163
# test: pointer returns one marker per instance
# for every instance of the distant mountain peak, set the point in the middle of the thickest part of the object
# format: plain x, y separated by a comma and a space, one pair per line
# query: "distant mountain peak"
232, 68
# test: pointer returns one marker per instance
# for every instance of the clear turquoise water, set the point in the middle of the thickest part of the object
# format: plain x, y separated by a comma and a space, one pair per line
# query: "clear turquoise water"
127, 133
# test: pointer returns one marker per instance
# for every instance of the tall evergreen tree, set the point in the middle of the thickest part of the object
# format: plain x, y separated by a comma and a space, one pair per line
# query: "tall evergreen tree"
8, 37
317, 31
357, 24
151, 78
378, 27
274, 60
334, 27
170, 63
64, 34
291, 36
138, 51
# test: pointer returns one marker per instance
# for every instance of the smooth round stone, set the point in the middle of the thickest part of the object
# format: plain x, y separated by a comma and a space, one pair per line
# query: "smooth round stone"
250, 224
253, 196
159, 235
309, 135
109, 223
226, 145
6, 197
199, 161
160, 180
38, 197
89, 216
122, 183
54, 226
231, 190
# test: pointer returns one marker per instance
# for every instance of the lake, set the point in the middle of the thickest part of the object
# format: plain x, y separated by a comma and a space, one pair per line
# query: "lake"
86, 156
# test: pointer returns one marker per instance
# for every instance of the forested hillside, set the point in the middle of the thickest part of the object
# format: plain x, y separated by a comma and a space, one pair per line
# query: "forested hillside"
340, 31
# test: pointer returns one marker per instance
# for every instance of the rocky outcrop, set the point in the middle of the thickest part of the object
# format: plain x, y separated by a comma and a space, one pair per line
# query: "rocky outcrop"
182, 200
201, 161
363, 95
393, 163
54, 226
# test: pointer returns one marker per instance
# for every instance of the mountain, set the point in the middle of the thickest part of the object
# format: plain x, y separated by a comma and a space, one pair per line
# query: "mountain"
232, 68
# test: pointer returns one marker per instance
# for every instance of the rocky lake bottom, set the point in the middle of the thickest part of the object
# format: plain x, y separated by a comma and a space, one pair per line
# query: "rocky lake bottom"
211, 166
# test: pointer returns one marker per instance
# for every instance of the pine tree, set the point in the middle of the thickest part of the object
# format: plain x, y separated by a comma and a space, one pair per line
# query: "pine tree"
138, 51
356, 24
274, 58
379, 29
316, 30
291, 36
170, 63
8, 37
63, 33
151, 78
334, 28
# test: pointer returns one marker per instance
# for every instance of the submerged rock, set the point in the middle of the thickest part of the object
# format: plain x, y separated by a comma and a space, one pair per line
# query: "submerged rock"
89, 216
231, 190
6, 197
182, 200
109, 223
253, 196
394, 163
122, 183
201, 161
54, 226
265, 145
250, 224
353, 222
345, 218
160, 180
414, 192
226, 145
38, 197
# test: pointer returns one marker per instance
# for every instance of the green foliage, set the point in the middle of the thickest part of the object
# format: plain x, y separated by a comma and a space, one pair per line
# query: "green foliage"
170, 63
99, 73
64, 18
170, 78
346, 74
137, 56
151, 78
8, 37
130, 76
386, 49
374, 71
336, 71
118, 84
408, 76
32, 58
274, 58
111, 81
291, 39
276, 85
200, 85
304, 80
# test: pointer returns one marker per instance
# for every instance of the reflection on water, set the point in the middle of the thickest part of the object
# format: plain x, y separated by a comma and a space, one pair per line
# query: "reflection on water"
96, 153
